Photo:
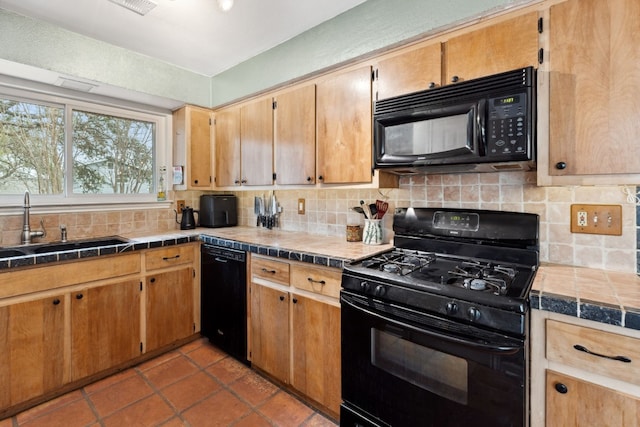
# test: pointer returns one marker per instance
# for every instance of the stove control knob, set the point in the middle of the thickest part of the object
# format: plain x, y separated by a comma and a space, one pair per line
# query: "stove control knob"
364, 286
474, 314
452, 308
379, 291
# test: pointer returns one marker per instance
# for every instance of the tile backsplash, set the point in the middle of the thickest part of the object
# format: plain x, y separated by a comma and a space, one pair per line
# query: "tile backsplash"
328, 211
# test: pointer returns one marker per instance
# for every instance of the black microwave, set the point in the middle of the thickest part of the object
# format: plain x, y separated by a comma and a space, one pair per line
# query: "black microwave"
481, 125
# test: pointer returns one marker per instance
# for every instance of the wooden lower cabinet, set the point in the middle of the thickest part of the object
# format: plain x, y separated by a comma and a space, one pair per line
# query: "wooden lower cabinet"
105, 327
575, 402
270, 331
169, 307
31, 349
316, 346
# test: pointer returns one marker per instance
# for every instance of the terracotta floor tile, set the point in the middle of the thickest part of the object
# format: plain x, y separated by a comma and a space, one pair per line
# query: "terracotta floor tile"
193, 345
151, 411
109, 381
206, 355
319, 421
228, 370
7, 422
253, 388
285, 410
253, 420
49, 406
175, 422
149, 364
119, 395
75, 414
190, 390
170, 371
221, 409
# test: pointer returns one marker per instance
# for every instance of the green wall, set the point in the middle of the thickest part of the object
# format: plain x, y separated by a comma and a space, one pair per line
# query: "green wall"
368, 27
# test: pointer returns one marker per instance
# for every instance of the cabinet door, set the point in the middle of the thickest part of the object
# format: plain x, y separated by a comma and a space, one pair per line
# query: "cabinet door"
105, 327
504, 46
411, 71
295, 136
31, 349
227, 125
169, 307
199, 139
344, 127
574, 402
594, 87
256, 142
270, 331
316, 350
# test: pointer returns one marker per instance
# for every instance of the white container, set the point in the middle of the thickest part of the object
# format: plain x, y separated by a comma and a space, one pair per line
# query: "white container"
372, 232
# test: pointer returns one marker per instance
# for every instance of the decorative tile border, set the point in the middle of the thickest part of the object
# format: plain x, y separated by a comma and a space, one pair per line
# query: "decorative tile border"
277, 252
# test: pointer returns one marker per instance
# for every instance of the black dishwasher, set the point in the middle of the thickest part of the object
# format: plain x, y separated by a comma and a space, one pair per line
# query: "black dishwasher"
223, 307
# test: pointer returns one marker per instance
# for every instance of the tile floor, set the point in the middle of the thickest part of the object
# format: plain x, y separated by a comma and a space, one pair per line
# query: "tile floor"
196, 385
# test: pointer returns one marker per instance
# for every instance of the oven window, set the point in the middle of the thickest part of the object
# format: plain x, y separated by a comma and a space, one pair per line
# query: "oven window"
432, 370
432, 136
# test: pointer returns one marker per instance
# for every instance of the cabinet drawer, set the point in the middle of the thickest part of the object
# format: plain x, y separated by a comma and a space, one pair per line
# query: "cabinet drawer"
565, 340
267, 269
322, 281
169, 256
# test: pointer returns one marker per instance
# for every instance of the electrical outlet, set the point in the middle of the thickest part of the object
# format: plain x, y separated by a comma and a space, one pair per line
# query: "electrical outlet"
596, 219
180, 205
301, 204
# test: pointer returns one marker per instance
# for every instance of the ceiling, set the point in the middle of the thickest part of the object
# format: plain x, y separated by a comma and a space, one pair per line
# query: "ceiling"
191, 34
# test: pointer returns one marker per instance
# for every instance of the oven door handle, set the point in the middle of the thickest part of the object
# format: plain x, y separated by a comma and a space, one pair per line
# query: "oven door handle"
478, 345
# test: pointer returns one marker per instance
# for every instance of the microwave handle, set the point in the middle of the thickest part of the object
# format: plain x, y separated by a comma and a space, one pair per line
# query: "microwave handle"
481, 115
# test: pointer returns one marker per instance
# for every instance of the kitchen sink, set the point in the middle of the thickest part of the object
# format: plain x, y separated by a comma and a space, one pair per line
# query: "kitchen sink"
61, 246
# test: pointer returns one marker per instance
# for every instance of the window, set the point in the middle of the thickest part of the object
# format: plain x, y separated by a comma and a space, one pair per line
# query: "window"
67, 149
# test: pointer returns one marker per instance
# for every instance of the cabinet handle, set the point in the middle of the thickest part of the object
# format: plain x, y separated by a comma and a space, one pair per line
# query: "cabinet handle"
56, 301
295, 300
561, 388
281, 298
236, 182
432, 85
79, 296
322, 282
586, 350
244, 181
455, 79
167, 258
561, 165
264, 270
152, 280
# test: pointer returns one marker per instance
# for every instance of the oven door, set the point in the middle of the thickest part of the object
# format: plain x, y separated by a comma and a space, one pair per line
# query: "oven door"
403, 368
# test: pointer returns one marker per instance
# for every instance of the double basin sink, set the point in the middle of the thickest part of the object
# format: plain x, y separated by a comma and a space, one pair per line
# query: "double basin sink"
73, 245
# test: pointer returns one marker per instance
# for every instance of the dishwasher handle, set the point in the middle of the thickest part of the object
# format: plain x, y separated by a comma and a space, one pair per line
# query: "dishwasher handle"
220, 254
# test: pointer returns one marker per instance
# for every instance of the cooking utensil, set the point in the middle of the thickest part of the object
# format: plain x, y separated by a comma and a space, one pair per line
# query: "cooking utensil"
373, 210
382, 208
365, 208
358, 209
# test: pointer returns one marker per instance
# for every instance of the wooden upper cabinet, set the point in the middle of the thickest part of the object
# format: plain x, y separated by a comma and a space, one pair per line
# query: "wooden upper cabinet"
344, 127
256, 142
295, 136
499, 47
227, 143
594, 84
410, 71
194, 124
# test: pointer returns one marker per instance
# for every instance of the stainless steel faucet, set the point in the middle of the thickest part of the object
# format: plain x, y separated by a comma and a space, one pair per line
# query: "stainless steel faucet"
27, 234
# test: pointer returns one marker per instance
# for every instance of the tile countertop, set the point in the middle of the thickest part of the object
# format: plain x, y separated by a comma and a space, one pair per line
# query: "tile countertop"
599, 295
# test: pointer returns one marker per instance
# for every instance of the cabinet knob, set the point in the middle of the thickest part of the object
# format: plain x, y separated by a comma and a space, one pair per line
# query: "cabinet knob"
561, 165
308, 179
455, 79
79, 296
561, 388
281, 298
320, 178
56, 301
432, 85
237, 182
152, 280
244, 181
295, 300
195, 181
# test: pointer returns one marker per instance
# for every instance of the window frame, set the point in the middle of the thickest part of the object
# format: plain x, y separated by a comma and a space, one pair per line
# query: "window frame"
68, 201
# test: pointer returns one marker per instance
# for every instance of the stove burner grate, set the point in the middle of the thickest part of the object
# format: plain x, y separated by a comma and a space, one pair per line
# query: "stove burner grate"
479, 276
400, 262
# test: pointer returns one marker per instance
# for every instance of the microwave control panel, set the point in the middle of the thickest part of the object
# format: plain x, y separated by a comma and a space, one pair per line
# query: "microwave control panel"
507, 125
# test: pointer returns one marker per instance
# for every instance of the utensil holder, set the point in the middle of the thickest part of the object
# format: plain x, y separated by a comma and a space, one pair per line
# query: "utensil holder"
372, 232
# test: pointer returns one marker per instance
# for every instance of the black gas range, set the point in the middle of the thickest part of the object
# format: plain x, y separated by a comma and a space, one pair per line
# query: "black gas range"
451, 297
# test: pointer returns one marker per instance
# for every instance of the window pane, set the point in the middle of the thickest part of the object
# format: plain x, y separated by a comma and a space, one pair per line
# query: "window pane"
31, 148
112, 155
